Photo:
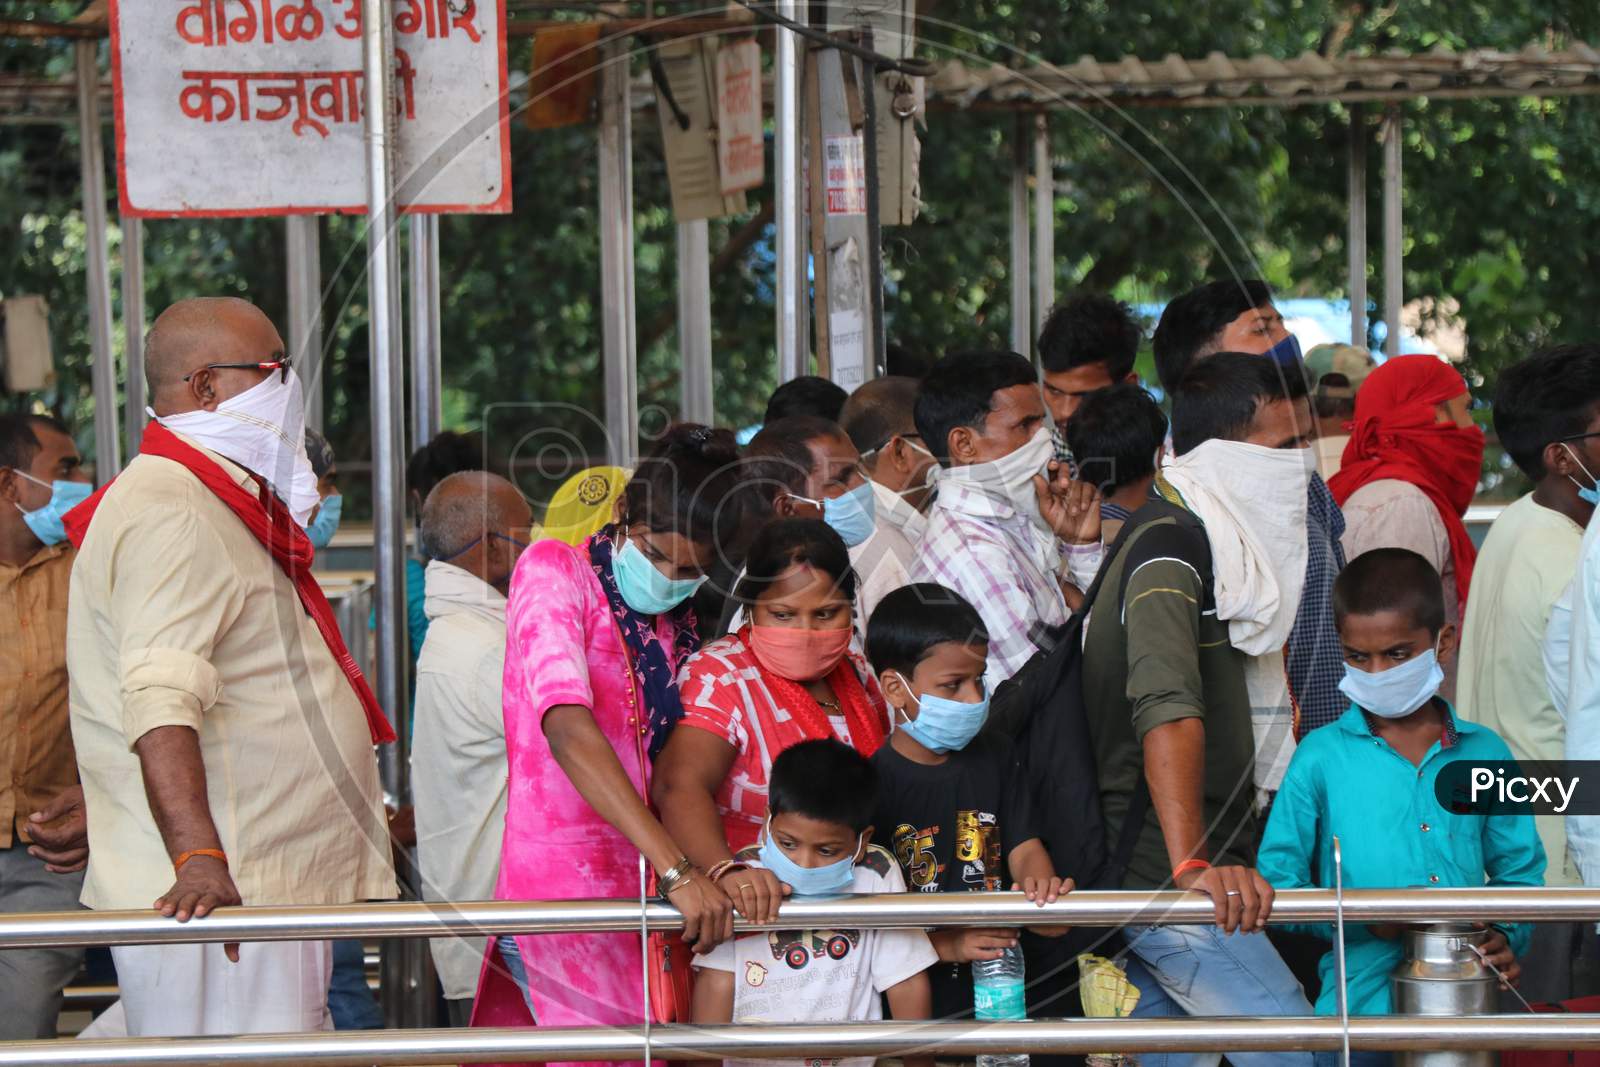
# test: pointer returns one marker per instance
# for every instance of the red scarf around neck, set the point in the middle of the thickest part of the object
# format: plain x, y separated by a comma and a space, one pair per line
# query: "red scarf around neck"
266, 517
865, 720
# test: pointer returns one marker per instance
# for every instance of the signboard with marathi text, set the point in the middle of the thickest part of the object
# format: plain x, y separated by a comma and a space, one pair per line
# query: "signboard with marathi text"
255, 107
741, 147
844, 171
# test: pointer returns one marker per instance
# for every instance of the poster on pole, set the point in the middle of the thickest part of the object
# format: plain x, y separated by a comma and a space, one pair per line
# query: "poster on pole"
845, 174
255, 107
741, 147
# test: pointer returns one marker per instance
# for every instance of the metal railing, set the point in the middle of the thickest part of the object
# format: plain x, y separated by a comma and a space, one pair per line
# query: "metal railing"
1057, 1036
883, 911
682, 1042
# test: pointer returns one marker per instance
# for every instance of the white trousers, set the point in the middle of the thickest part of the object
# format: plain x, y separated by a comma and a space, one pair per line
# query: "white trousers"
194, 990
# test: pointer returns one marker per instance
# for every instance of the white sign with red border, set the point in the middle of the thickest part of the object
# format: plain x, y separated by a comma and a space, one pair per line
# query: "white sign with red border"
254, 107
845, 174
741, 147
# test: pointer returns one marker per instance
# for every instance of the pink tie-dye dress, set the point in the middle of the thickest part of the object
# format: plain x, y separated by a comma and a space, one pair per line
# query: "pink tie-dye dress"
562, 647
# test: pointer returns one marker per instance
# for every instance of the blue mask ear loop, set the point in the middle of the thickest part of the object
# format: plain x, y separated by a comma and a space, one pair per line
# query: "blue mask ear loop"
1338, 959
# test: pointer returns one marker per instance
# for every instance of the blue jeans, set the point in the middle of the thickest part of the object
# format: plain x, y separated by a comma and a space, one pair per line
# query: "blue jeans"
1199, 970
350, 1001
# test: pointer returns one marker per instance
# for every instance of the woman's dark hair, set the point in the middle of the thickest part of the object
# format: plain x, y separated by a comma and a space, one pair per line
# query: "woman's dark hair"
448, 453
807, 395
826, 780
686, 485
910, 621
782, 544
1114, 436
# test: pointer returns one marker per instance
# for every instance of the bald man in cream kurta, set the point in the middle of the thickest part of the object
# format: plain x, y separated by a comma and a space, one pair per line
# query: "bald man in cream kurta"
178, 616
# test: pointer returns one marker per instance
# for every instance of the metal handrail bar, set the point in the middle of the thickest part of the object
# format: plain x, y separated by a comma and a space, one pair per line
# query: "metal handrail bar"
483, 918
359, 1048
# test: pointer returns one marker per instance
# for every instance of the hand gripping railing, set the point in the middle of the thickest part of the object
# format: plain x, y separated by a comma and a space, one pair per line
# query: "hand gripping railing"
481, 919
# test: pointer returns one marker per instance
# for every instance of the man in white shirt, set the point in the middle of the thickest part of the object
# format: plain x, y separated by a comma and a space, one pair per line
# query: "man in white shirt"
805, 467
878, 420
474, 526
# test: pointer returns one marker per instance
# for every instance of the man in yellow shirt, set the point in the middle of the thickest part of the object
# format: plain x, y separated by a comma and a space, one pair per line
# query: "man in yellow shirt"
42, 844
224, 735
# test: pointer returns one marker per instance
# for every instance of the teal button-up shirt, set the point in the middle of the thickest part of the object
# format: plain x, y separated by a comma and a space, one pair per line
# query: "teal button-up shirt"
1347, 782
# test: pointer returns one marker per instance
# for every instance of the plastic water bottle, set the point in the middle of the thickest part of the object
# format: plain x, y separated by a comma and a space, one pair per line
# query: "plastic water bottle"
998, 995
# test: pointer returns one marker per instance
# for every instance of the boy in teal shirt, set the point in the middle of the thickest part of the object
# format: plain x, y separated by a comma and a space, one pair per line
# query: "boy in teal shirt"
1369, 779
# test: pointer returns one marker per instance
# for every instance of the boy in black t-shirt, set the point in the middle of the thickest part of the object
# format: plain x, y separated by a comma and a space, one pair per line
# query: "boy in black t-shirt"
952, 806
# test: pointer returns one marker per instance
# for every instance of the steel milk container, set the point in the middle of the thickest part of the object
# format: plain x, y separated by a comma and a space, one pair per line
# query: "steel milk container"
1440, 974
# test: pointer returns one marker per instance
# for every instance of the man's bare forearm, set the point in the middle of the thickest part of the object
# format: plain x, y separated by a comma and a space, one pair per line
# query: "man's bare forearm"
1175, 767
175, 785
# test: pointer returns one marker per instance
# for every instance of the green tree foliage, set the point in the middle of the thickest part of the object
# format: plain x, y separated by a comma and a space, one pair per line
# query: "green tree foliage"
1498, 198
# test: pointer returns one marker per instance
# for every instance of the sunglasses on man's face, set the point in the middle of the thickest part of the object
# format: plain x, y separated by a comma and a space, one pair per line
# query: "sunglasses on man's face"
279, 365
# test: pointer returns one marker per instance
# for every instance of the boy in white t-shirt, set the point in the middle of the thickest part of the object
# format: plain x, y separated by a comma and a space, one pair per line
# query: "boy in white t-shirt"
820, 800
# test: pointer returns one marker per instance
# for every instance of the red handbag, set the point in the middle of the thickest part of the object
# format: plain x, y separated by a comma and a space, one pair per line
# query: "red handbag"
1531, 1058
670, 989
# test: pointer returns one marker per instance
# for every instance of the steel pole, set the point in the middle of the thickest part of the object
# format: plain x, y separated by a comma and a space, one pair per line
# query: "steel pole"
426, 349
303, 265
788, 186
91, 158
1356, 239
133, 389
887, 911
1393, 266
694, 322
386, 344
1044, 221
952, 1040
1022, 337
617, 329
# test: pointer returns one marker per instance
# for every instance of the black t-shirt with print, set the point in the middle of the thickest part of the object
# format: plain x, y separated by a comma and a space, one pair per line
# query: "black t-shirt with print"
950, 827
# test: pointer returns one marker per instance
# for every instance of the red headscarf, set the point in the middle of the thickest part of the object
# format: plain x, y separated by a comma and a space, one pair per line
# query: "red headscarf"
1397, 434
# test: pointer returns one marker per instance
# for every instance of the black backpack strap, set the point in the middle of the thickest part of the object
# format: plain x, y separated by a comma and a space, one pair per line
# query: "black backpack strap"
1132, 826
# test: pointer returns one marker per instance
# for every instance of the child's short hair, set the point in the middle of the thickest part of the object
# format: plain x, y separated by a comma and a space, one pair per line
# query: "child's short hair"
1390, 579
1114, 436
826, 780
908, 622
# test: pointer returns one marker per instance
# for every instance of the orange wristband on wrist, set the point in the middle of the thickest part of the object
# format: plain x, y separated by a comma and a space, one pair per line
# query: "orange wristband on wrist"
1189, 865
185, 857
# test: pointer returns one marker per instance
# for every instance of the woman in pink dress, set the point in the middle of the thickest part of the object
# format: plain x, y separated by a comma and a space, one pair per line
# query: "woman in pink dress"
595, 636
787, 676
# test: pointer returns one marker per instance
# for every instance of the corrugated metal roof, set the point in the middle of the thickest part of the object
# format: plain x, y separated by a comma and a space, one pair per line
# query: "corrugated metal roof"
1217, 80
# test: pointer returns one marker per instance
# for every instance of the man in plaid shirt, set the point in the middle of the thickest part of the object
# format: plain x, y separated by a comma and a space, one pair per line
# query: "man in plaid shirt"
1008, 530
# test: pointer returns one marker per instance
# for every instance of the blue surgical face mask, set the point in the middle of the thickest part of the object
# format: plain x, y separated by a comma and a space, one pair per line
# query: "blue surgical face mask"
1591, 495
322, 527
853, 516
831, 880
1286, 352
944, 725
642, 585
45, 522
1398, 691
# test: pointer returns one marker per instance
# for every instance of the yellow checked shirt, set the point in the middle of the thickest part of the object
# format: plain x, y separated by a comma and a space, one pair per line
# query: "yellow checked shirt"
36, 760
179, 616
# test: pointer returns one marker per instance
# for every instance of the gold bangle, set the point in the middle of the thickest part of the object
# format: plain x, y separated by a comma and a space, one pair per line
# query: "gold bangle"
670, 880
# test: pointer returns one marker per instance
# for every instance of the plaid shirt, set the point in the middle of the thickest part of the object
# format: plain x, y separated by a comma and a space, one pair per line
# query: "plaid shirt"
1314, 659
990, 554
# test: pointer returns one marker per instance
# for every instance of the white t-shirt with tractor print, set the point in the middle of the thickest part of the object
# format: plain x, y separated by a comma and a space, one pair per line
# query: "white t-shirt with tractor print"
822, 976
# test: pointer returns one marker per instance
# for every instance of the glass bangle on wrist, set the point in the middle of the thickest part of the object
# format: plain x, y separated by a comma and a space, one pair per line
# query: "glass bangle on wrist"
668, 881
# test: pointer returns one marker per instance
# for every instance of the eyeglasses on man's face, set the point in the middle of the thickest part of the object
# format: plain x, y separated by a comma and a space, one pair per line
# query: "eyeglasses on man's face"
281, 365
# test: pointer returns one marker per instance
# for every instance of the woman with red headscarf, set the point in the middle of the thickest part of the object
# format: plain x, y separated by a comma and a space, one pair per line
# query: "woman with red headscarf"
1411, 468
